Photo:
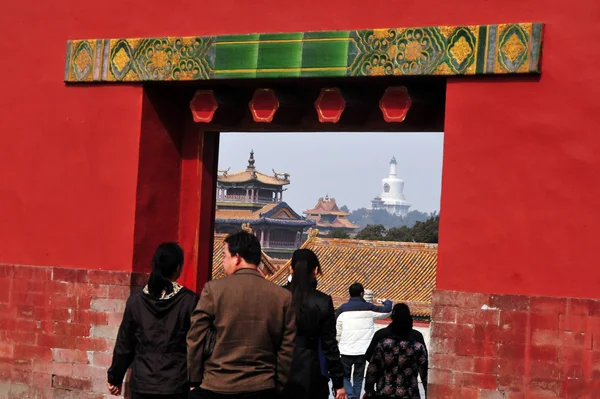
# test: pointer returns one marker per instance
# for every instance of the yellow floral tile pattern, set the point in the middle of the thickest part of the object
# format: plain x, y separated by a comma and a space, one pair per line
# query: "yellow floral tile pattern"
439, 50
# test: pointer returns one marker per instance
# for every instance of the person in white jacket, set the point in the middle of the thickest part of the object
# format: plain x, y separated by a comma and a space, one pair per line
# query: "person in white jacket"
355, 322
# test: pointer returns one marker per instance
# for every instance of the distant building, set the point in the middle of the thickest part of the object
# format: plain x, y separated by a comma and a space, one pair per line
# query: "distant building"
254, 198
328, 217
392, 197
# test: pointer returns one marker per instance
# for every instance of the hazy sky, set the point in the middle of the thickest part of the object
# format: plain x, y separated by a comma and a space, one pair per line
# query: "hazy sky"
347, 166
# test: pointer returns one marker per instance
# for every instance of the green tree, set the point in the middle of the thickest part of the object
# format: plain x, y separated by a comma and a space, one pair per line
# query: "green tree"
338, 234
427, 231
372, 232
344, 208
401, 234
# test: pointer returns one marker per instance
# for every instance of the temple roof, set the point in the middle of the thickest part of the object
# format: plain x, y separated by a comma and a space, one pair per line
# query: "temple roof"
326, 206
251, 175
340, 222
280, 213
398, 271
219, 244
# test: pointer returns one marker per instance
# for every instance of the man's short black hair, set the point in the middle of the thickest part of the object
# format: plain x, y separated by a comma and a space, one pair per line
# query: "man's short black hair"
246, 245
356, 290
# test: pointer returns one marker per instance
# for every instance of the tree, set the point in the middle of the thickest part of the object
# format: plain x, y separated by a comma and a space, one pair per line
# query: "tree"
358, 215
372, 232
415, 216
381, 216
338, 234
344, 208
427, 231
401, 234
364, 217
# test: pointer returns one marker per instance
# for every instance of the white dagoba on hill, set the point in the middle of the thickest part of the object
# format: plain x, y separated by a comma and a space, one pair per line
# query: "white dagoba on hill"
392, 197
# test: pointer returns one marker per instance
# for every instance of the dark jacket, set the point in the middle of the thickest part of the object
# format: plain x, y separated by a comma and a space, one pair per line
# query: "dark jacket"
414, 336
394, 368
316, 334
388, 332
255, 328
151, 339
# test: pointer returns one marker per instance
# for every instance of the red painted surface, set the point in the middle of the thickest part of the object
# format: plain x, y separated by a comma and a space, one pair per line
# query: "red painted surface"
330, 105
395, 103
264, 105
522, 346
209, 158
203, 106
196, 226
159, 173
519, 203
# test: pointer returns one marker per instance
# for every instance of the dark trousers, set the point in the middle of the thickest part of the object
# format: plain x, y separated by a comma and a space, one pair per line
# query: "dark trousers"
135, 395
204, 394
353, 381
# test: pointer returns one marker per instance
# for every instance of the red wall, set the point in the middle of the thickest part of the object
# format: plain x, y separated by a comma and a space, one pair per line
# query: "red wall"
519, 209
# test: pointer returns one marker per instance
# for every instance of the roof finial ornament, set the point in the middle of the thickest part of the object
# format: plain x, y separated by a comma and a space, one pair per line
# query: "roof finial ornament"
251, 160
278, 175
326, 197
393, 161
246, 227
224, 172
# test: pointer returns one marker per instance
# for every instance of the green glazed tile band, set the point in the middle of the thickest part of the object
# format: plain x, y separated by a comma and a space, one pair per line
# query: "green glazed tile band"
439, 50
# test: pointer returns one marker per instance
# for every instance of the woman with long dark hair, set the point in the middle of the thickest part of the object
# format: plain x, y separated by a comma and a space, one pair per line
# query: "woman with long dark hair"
152, 335
397, 356
315, 323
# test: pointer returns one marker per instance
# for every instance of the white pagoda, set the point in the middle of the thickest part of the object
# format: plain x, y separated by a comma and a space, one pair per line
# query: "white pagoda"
392, 197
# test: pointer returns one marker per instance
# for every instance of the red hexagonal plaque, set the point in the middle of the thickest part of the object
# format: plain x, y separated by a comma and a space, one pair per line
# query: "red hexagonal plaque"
330, 105
203, 106
264, 105
395, 103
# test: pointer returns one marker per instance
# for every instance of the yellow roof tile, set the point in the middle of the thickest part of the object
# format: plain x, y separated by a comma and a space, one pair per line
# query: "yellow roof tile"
400, 272
243, 214
249, 175
326, 206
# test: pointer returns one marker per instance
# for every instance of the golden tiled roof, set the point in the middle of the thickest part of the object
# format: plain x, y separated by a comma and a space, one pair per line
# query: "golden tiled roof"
400, 272
326, 206
243, 214
278, 263
250, 175
343, 222
268, 268
339, 222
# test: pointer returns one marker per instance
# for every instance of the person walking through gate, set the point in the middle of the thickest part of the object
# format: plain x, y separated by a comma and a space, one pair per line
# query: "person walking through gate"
254, 328
397, 359
392, 329
315, 321
151, 337
355, 321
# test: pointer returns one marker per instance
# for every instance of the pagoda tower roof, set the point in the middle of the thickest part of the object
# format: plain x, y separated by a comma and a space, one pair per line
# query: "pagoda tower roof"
251, 175
326, 206
276, 214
